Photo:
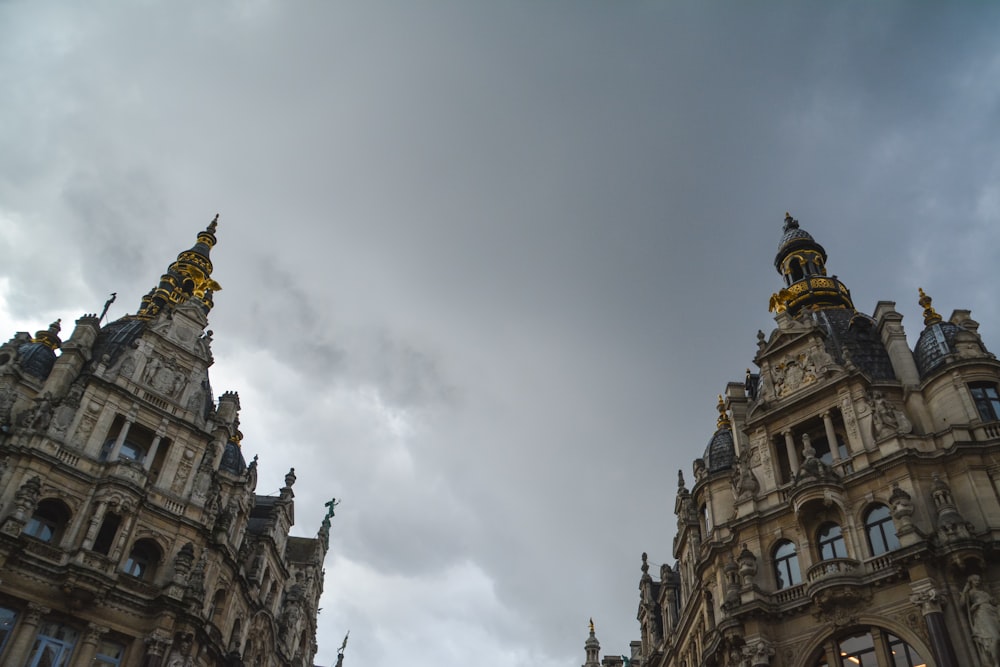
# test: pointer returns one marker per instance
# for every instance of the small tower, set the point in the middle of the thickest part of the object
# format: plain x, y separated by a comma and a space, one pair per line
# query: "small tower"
802, 263
593, 648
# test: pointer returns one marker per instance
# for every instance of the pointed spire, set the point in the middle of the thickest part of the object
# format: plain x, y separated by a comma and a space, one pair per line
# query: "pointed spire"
188, 278
930, 315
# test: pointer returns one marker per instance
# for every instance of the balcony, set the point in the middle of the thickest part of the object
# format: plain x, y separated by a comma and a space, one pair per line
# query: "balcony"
836, 582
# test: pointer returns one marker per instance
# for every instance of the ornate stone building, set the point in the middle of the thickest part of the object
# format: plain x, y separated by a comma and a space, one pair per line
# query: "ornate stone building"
846, 510
130, 531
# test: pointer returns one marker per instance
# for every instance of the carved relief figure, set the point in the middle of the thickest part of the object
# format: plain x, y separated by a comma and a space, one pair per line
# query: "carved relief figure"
39, 418
745, 484
883, 417
984, 619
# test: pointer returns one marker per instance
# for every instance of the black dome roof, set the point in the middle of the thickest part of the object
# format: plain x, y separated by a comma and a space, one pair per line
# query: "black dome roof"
115, 337
232, 459
935, 342
36, 359
720, 454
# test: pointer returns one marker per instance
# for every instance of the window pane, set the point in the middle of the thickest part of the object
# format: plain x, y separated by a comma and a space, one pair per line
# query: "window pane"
858, 651
7, 619
786, 565
831, 542
109, 654
904, 655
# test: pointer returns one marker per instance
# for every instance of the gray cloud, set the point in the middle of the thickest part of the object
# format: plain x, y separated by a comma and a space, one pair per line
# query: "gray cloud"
486, 268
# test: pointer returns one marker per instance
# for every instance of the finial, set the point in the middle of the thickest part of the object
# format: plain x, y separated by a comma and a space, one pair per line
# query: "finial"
723, 420
680, 480
591, 626
930, 315
290, 478
212, 225
790, 222
645, 564
340, 651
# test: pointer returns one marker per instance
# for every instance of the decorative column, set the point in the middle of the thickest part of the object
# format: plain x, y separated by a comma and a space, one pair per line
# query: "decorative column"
157, 644
120, 440
930, 600
95, 523
147, 462
88, 647
793, 456
17, 654
831, 437
123, 535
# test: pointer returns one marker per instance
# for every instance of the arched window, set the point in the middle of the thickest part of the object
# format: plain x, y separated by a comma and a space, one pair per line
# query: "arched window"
48, 521
143, 559
796, 269
881, 530
786, 565
218, 608
706, 519
861, 650
830, 541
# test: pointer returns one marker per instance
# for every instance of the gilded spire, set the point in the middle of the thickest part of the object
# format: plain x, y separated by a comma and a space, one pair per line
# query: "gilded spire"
930, 315
723, 420
188, 278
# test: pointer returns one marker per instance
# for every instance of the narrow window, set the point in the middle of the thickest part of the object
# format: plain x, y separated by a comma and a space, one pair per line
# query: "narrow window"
106, 535
881, 530
7, 619
786, 565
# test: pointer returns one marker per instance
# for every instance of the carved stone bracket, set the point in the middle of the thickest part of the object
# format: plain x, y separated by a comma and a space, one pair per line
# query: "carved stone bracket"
758, 652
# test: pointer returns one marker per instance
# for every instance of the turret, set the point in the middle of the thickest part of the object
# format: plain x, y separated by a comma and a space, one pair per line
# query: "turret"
802, 263
75, 354
593, 648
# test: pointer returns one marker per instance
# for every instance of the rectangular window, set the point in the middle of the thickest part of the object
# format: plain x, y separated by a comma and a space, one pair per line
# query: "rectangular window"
7, 619
987, 400
53, 646
109, 654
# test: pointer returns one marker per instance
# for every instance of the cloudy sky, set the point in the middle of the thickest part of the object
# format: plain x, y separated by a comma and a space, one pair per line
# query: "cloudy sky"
486, 265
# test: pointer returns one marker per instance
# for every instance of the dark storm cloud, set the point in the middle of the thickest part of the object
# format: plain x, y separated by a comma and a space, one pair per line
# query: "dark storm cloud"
486, 268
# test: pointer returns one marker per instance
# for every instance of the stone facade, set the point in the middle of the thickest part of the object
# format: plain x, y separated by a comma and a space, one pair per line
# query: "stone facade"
847, 509
130, 531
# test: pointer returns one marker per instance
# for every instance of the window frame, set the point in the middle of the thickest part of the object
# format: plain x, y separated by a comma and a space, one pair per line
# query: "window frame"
143, 565
986, 397
50, 514
822, 542
887, 541
784, 562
